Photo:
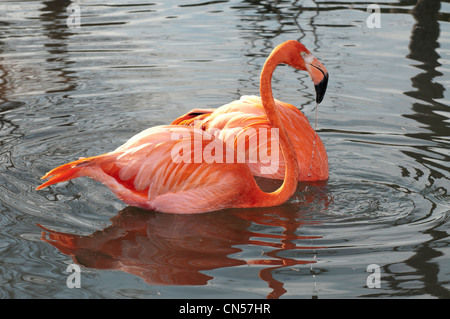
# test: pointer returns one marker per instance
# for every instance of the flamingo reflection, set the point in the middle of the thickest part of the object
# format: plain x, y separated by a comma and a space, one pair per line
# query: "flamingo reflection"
171, 249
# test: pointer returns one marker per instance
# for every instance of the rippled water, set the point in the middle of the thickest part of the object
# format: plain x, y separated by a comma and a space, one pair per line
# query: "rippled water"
385, 121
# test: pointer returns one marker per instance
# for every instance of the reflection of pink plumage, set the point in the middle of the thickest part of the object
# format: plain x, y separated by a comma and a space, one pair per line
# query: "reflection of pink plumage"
172, 249
143, 173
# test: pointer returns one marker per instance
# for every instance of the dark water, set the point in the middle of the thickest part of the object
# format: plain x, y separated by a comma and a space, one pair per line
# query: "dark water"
70, 92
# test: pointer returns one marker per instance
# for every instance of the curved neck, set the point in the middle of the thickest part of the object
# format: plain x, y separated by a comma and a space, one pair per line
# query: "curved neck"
291, 172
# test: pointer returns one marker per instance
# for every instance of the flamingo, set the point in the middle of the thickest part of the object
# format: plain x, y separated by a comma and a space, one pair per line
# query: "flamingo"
246, 118
146, 172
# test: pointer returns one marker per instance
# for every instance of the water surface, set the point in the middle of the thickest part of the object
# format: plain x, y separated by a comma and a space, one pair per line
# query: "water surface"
385, 121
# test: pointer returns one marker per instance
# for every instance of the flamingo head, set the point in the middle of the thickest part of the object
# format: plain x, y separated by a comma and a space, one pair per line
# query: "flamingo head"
298, 56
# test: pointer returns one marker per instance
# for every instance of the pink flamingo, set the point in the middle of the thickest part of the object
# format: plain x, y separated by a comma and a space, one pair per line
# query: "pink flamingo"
143, 172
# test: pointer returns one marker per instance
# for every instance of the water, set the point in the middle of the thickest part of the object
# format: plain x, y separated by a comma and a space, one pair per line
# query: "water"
70, 92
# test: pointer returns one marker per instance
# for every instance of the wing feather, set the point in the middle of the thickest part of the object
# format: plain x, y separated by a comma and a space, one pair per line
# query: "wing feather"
145, 168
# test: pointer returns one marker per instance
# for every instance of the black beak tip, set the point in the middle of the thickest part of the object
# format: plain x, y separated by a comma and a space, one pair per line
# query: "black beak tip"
321, 88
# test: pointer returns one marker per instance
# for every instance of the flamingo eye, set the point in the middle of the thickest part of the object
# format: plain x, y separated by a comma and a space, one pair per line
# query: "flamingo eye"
307, 57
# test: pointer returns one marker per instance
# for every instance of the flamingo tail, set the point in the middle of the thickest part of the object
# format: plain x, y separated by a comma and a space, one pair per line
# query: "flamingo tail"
66, 172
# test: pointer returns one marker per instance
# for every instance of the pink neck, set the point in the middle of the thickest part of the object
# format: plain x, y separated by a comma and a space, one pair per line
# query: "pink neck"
289, 185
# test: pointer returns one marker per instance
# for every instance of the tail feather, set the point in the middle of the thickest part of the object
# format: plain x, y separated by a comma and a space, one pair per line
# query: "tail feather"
65, 172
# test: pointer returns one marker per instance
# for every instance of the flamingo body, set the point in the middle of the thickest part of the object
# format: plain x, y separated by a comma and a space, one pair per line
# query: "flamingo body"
141, 174
247, 115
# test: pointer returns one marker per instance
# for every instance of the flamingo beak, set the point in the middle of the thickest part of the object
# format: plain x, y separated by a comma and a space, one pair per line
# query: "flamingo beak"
318, 74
